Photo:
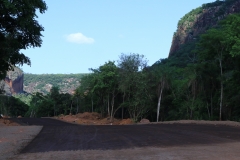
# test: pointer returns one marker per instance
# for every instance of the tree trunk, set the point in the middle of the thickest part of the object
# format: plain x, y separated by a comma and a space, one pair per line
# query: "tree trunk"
108, 106
208, 111
191, 114
71, 108
112, 103
77, 106
191, 108
92, 104
31, 113
159, 103
221, 101
122, 105
221, 96
211, 105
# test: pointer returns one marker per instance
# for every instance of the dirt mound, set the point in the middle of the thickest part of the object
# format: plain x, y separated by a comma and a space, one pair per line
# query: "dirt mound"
93, 118
126, 121
7, 122
88, 115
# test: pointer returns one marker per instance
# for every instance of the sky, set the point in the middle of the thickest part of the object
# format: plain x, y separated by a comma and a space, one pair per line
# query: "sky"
83, 34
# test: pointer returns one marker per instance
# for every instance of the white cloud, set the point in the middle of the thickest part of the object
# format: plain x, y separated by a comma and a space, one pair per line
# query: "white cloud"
79, 38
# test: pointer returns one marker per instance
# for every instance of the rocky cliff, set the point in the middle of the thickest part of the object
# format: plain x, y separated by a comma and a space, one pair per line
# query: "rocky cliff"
14, 82
199, 20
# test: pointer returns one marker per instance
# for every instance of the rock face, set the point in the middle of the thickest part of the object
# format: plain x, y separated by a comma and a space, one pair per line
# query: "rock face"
199, 20
14, 82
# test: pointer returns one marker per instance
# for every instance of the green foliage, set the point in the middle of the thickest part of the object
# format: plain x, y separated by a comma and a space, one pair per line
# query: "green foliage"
18, 30
231, 28
43, 82
133, 84
112, 87
25, 98
214, 61
12, 106
190, 17
51, 104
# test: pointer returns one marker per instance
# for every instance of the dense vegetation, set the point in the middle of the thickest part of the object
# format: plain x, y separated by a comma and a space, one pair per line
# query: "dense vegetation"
201, 81
212, 62
12, 106
43, 82
37, 104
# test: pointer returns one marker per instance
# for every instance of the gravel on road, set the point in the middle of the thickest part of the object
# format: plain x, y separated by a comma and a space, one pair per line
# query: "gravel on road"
14, 138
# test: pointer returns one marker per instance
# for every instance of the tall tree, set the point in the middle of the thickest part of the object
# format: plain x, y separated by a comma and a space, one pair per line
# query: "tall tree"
54, 96
218, 44
214, 47
162, 73
84, 92
106, 82
19, 29
130, 66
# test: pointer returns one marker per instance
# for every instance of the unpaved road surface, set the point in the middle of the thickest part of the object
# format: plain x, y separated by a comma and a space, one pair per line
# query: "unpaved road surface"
60, 140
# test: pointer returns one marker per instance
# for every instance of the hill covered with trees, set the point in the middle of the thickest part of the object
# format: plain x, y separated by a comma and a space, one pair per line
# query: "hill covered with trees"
42, 83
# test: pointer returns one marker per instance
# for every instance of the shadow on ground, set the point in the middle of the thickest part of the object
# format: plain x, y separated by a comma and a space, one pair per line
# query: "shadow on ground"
61, 136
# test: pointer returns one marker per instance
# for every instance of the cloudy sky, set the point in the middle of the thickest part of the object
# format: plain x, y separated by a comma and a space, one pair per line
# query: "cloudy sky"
83, 34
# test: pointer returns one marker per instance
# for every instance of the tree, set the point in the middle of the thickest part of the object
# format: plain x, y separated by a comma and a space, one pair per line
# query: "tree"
19, 29
218, 44
84, 92
231, 28
214, 47
54, 96
130, 67
140, 101
162, 73
106, 82
12, 106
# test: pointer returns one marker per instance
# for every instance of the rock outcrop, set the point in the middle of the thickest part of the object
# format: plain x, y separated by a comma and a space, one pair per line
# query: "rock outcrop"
199, 20
14, 82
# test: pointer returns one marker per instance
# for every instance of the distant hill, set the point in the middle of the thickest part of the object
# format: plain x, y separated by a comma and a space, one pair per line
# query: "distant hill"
67, 83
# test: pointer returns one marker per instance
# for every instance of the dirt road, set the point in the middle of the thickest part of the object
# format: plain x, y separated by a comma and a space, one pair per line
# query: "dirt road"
63, 140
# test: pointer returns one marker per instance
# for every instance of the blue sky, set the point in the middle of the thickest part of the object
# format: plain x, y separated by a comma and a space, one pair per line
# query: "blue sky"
83, 34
